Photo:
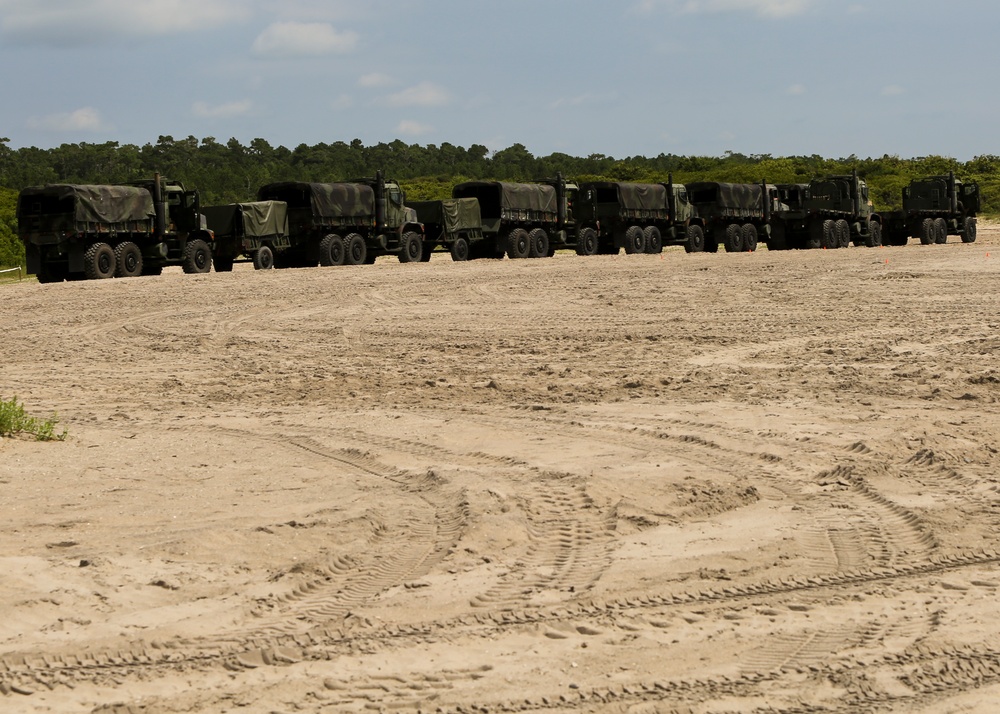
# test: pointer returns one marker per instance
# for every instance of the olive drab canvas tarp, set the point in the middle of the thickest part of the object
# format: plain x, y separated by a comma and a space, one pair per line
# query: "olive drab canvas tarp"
636, 196
453, 214
256, 219
740, 196
538, 198
89, 204
327, 200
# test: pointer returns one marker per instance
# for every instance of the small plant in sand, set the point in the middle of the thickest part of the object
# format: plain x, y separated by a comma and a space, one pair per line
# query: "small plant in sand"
14, 420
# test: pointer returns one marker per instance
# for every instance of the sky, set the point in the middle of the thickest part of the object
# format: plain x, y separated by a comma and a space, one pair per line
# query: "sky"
624, 78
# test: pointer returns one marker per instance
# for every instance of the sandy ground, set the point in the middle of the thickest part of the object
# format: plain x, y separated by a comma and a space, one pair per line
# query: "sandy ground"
698, 483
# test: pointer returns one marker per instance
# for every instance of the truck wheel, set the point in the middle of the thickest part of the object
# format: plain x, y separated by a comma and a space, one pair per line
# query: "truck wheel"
99, 262
653, 239
128, 260
355, 250
874, 239
733, 238
538, 242
411, 248
940, 231
842, 233
586, 242
969, 231
749, 232
695, 242
222, 264
828, 235
635, 240
263, 258
518, 243
197, 257
331, 250
927, 231
49, 273
459, 250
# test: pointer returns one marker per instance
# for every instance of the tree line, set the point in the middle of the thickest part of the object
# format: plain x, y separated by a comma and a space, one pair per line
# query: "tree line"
232, 172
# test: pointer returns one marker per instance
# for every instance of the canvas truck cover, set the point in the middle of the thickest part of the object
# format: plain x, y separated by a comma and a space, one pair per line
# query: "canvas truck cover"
740, 196
256, 219
512, 196
88, 204
635, 196
327, 200
453, 214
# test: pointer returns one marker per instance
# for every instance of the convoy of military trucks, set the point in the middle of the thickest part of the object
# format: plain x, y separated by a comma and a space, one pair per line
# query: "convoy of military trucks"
74, 232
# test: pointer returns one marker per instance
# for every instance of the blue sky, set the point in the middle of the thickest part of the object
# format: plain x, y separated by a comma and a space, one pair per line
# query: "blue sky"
633, 77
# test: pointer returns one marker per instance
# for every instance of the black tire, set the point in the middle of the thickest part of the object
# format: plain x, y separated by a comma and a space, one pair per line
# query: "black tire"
694, 241
940, 231
843, 230
518, 244
653, 239
874, 239
49, 273
332, 250
733, 238
927, 232
355, 250
749, 231
411, 248
969, 230
459, 250
222, 265
197, 257
99, 262
128, 260
538, 243
828, 235
263, 258
586, 242
635, 240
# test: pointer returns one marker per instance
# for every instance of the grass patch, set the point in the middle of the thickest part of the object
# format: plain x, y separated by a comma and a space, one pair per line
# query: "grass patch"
14, 420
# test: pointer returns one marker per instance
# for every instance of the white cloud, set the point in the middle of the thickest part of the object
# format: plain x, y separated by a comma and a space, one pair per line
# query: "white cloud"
763, 8
425, 94
588, 98
303, 39
375, 79
892, 90
221, 111
342, 101
85, 119
412, 128
62, 22
796, 90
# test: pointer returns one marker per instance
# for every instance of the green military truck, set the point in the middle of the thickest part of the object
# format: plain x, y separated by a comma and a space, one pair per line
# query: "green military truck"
934, 207
349, 222
454, 224
76, 232
518, 219
830, 212
251, 231
735, 215
636, 217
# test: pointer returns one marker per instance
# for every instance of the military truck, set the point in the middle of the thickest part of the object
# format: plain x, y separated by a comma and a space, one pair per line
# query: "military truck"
350, 222
518, 219
735, 215
934, 207
636, 217
250, 231
76, 232
454, 224
830, 212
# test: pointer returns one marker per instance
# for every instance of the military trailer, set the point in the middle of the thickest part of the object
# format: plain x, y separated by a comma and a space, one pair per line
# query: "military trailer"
349, 222
76, 232
636, 217
934, 208
248, 231
736, 215
517, 218
830, 212
454, 224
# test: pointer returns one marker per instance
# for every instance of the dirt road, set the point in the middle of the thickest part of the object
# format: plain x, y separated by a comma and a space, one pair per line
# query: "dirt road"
699, 483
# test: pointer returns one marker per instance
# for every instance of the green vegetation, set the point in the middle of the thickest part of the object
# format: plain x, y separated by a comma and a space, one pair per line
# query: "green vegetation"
230, 172
14, 420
